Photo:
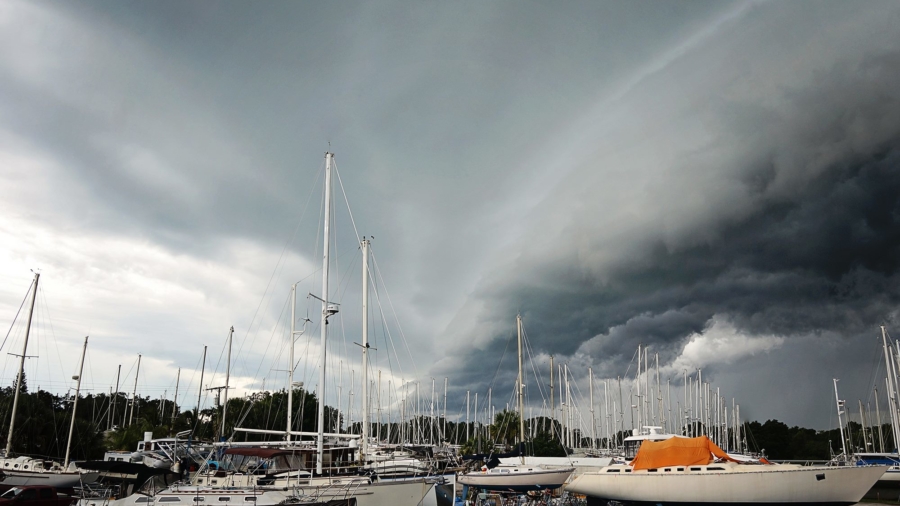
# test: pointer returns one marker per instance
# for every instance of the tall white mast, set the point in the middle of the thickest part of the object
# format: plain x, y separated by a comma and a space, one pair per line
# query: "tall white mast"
475, 424
378, 400
290, 385
840, 405
112, 417
568, 413
659, 408
891, 385
200, 390
320, 440
227, 379
365, 348
593, 422
444, 421
175, 399
552, 401
521, 394
468, 404
12, 419
75, 403
134, 392
640, 402
648, 412
433, 423
878, 418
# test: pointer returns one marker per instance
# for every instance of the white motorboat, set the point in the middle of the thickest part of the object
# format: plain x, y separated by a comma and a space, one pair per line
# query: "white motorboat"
682, 471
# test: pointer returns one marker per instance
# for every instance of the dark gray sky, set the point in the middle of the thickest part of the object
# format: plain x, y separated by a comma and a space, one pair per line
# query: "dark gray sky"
718, 181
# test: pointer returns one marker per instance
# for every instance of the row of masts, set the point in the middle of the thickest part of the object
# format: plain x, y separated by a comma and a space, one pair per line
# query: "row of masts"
891, 353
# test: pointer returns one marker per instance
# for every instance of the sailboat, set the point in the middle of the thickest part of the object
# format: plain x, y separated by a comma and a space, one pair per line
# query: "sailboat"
681, 471
891, 477
24, 470
520, 477
318, 479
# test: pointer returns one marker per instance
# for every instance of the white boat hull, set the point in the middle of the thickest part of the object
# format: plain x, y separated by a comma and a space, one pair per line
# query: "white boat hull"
399, 493
50, 478
190, 495
377, 494
735, 485
518, 481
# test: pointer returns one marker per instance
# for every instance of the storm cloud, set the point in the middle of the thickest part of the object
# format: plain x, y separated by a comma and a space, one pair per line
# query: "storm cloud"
777, 219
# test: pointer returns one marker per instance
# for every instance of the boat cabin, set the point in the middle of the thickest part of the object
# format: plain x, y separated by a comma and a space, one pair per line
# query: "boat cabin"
649, 433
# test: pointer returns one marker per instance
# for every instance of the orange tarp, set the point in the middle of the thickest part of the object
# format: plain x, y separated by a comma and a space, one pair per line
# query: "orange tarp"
677, 451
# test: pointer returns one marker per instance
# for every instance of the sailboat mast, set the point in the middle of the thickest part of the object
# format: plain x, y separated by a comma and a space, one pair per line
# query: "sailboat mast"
227, 379
12, 419
113, 407
468, 404
365, 349
290, 386
552, 401
840, 404
878, 418
134, 392
593, 422
320, 422
200, 390
890, 385
444, 421
175, 399
75, 403
521, 394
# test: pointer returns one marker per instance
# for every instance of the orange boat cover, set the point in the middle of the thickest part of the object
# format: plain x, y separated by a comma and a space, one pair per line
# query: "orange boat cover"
677, 451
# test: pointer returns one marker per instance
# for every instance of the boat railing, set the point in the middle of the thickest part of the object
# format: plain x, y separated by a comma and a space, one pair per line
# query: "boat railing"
802, 462
335, 491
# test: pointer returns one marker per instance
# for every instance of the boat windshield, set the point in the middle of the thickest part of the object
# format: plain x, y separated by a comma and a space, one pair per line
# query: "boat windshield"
9, 494
631, 449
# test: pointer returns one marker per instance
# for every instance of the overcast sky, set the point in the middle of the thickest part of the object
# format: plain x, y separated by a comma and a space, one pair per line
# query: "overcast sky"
717, 181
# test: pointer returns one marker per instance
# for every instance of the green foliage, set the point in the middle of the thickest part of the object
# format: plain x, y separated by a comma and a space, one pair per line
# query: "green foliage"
545, 444
780, 442
505, 429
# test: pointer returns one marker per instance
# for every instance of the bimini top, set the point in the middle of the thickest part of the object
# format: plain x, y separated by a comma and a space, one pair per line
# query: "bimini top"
677, 451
